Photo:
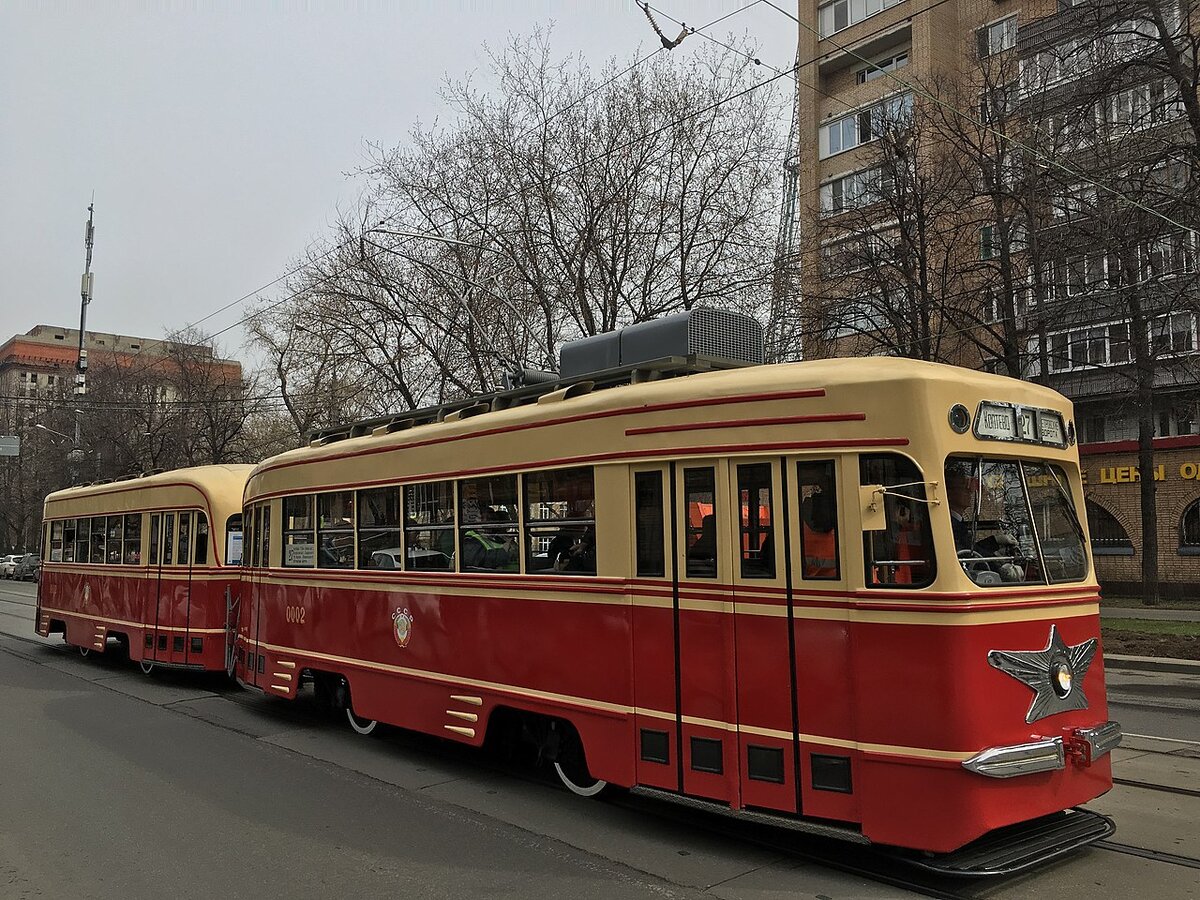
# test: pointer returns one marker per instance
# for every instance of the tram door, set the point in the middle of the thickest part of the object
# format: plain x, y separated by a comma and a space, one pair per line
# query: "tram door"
164, 598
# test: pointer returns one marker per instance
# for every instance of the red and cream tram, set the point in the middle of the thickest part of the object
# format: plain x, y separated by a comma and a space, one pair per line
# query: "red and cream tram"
852, 595
150, 562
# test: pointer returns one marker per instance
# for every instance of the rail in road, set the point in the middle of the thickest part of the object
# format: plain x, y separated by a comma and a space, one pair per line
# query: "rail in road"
1154, 851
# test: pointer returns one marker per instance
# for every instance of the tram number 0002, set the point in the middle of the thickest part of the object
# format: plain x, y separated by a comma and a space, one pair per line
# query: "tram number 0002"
294, 614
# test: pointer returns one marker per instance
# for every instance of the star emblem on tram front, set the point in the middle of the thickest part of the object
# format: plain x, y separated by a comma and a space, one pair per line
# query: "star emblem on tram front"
1054, 674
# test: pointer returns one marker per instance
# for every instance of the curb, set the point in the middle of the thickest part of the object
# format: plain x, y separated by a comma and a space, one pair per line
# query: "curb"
1152, 664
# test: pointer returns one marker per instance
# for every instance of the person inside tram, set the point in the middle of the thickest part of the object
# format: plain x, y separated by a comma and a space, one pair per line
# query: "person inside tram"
702, 555
997, 550
818, 521
574, 550
490, 548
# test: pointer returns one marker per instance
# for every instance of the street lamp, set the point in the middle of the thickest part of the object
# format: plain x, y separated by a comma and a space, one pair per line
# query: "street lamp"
52, 431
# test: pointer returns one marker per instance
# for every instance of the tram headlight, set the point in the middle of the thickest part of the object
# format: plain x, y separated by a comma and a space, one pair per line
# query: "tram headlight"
1061, 677
960, 418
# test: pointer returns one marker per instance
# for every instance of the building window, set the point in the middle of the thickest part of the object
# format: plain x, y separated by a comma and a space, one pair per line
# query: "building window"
840, 14
881, 67
1109, 537
852, 191
997, 37
1141, 106
864, 125
1189, 530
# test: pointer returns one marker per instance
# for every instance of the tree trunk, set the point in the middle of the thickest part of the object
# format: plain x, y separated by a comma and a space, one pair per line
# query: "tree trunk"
1148, 488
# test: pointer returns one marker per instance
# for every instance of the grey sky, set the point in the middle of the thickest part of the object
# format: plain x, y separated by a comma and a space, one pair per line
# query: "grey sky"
218, 137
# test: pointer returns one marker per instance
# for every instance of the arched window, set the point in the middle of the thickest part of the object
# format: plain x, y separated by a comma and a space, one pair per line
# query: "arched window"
1189, 530
1109, 537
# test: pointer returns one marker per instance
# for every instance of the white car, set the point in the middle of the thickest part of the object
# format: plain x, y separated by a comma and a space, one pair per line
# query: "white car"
8, 564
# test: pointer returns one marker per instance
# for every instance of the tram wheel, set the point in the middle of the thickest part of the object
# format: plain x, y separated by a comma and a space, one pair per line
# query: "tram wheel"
571, 766
146, 666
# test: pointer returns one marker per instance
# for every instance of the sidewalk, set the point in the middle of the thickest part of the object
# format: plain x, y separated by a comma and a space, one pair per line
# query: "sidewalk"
1150, 613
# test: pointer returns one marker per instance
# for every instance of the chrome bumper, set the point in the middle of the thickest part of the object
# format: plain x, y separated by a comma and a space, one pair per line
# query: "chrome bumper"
1084, 744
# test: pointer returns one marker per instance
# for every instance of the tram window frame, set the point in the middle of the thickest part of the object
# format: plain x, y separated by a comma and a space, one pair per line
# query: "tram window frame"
69, 540
293, 534
183, 540
200, 539
168, 530
114, 532
250, 537
503, 492
328, 535
235, 524
763, 565
817, 477
566, 542
378, 516
912, 485
97, 551
263, 538
155, 531
83, 541
56, 527
430, 526
131, 553
699, 481
650, 532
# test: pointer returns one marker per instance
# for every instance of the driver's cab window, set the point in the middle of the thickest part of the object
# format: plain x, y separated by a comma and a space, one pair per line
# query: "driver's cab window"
899, 555
992, 504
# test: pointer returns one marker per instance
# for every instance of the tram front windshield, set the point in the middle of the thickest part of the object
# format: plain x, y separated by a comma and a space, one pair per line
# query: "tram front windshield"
1014, 522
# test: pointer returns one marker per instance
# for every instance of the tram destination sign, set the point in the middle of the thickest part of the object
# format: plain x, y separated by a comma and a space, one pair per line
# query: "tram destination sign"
10, 445
996, 421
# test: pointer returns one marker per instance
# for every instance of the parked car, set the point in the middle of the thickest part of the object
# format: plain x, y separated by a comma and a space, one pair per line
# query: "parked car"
8, 564
28, 569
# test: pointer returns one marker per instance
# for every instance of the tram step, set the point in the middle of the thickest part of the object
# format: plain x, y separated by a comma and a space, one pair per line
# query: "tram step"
1020, 846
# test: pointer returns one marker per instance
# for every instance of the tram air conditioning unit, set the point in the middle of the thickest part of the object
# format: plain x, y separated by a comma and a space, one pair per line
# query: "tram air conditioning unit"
715, 338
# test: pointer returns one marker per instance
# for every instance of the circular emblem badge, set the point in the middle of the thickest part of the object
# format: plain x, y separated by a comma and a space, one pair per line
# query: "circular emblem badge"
402, 622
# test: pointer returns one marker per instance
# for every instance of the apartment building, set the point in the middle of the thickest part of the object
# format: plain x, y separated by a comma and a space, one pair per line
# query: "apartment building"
959, 168
41, 362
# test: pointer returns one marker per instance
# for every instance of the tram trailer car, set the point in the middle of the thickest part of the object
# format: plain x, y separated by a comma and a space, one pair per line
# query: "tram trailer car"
851, 596
145, 561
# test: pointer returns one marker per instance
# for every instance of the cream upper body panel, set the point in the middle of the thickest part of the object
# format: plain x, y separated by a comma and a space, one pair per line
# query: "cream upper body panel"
863, 403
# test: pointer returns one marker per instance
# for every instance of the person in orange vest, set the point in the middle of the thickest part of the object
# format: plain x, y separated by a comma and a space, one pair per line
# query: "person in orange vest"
818, 521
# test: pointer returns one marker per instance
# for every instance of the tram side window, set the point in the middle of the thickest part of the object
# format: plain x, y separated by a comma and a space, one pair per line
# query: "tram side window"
901, 554
83, 540
55, 553
155, 521
335, 530
819, 548
699, 489
183, 557
99, 534
649, 532
69, 540
560, 522
201, 539
256, 515
132, 554
379, 528
234, 543
115, 535
429, 525
488, 518
299, 539
263, 537
168, 555
755, 531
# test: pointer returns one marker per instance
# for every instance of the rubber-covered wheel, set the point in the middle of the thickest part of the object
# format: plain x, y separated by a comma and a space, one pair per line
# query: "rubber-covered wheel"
362, 726
571, 766
146, 666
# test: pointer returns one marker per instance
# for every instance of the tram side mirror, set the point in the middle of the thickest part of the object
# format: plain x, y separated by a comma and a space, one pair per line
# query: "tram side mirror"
870, 507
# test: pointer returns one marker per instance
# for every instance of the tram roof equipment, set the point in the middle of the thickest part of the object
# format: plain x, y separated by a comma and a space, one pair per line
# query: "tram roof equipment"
686, 343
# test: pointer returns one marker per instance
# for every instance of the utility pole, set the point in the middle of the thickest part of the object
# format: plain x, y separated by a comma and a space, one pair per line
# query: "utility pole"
85, 293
